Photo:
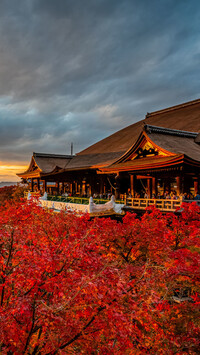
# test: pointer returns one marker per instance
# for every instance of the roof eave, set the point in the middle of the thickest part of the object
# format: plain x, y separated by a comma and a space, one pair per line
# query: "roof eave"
177, 159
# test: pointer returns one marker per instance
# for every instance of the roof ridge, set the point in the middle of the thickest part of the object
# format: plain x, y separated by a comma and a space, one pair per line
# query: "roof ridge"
50, 155
171, 131
172, 108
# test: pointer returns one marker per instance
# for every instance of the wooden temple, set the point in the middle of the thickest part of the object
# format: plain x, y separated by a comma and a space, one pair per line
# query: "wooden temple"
154, 157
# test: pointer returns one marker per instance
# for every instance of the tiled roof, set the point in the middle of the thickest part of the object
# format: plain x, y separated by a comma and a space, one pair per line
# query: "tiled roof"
174, 129
48, 162
177, 144
184, 117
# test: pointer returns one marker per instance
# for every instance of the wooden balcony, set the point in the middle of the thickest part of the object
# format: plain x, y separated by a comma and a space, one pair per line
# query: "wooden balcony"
163, 205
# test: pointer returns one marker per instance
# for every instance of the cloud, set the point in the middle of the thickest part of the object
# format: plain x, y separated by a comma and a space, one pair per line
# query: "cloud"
76, 71
8, 172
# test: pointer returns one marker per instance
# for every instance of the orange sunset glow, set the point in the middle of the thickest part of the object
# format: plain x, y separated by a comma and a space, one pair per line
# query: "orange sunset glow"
8, 171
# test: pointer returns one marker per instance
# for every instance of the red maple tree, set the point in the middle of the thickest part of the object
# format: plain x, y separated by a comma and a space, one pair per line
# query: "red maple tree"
69, 285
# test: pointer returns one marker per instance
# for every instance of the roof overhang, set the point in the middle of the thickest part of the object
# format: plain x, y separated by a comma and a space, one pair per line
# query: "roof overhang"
144, 164
33, 170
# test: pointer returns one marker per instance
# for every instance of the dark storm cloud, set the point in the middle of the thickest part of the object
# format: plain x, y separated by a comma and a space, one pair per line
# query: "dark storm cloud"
80, 70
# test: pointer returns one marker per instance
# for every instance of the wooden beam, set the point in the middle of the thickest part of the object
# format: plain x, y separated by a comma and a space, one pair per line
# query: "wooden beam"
143, 176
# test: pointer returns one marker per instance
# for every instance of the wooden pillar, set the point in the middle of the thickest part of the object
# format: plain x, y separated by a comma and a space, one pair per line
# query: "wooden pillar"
32, 184
196, 185
179, 185
71, 188
116, 194
167, 185
83, 187
149, 187
38, 184
101, 185
44, 185
117, 186
154, 186
93, 186
132, 180
57, 188
90, 190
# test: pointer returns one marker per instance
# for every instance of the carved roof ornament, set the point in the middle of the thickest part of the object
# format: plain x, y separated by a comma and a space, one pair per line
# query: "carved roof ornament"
143, 152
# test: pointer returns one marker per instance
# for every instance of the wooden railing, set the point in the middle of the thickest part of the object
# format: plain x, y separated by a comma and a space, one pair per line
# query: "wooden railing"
161, 204
80, 200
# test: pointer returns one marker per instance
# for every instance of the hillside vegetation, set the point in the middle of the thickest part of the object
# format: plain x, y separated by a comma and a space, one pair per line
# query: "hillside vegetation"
71, 285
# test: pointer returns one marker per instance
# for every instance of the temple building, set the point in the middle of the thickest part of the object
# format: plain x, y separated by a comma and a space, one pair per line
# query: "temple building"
155, 156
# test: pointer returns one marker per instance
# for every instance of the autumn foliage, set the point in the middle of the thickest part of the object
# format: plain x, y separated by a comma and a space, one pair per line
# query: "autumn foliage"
13, 192
70, 285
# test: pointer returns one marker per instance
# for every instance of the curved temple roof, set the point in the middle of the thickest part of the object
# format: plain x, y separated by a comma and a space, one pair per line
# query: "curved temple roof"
168, 147
184, 117
42, 163
175, 129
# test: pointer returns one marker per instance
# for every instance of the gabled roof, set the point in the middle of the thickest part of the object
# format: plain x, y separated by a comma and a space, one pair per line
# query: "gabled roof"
168, 147
48, 162
42, 164
175, 141
184, 117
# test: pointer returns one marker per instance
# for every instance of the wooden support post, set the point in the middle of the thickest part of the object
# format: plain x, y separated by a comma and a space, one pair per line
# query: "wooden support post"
117, 186
44, 186
154, 186
196, 185
101, 185
32, 185
71, 188
179, 185
83, 188
38, 184
116, 194
132, 185
57, 188
93, 188
90, 190
149, 187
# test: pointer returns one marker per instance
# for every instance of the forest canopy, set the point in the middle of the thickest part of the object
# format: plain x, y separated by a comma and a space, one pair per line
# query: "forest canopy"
71, 285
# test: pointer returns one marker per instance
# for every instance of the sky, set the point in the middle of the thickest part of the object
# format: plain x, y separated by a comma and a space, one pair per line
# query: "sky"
79, 70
